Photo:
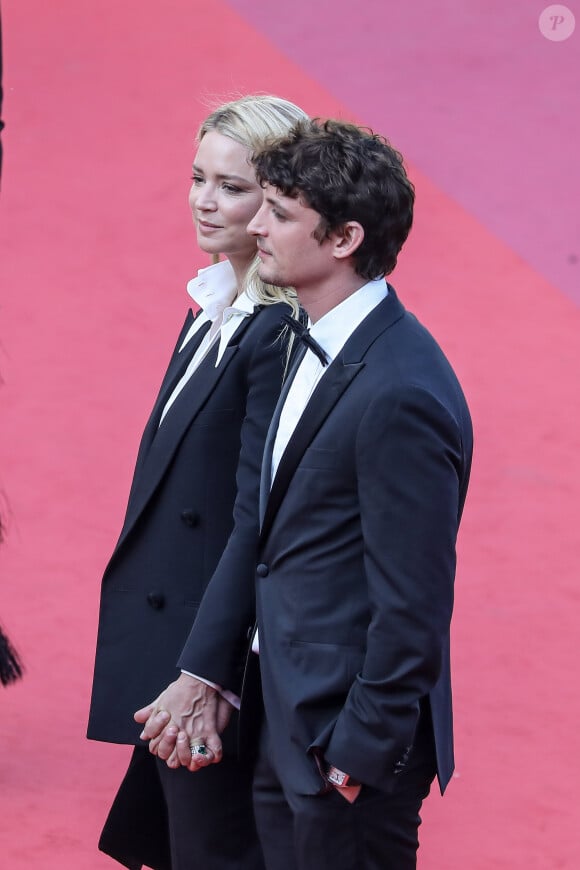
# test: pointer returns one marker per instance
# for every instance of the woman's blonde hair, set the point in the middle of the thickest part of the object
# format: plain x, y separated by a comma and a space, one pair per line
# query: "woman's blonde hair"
254, 121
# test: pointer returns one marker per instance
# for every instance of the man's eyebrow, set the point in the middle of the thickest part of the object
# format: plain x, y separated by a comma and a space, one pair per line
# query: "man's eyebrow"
276, 203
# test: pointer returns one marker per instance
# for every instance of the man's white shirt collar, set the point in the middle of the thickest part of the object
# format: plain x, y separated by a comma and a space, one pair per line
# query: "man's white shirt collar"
332, 332
334, 329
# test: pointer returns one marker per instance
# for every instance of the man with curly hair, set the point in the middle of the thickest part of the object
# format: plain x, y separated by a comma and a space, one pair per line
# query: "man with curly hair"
364, 479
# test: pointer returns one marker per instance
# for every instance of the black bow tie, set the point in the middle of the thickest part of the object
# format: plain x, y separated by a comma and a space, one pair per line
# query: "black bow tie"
303, 335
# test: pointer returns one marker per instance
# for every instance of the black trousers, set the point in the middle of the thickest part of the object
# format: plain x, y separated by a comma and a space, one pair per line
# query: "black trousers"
177, 820
324, 832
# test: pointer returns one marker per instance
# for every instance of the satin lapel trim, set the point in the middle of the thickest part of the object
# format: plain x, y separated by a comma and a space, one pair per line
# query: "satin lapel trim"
327, 393
330, 388
176, 368
265, 476
168, 436
178, 365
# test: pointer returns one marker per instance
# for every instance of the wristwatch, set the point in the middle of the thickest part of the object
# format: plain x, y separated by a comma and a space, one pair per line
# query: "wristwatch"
340, 779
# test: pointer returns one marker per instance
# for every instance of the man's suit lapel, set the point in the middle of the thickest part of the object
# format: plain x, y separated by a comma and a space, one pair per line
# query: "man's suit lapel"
265, 477
334, 382
327, 393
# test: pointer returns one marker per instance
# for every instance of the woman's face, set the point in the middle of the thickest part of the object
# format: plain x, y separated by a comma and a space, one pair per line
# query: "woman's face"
224, 197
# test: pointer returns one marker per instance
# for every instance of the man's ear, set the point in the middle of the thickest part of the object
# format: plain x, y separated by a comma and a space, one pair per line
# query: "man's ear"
347, 239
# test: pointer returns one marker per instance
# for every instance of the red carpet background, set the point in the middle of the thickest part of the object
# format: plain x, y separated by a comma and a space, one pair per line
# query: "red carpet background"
102, 101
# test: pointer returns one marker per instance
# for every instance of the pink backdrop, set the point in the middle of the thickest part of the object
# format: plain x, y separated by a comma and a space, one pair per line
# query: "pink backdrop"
102, 100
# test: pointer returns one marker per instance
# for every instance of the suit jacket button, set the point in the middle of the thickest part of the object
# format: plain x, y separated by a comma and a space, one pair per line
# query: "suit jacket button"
262, 570
155, 600
190, 517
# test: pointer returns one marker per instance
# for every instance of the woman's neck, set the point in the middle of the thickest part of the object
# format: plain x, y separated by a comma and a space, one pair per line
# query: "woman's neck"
240, 265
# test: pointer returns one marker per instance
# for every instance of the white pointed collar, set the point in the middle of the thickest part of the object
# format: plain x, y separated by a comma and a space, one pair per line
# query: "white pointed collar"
214, 288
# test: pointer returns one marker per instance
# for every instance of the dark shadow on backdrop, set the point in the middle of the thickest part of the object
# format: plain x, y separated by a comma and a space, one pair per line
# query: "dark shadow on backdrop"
10, 666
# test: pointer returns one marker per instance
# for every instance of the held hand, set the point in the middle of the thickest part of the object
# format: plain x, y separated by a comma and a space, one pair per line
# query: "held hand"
188, 706
182, 740
153, 717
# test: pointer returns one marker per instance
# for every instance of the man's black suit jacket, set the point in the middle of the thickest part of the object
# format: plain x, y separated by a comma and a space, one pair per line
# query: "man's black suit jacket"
355, 567
181, 514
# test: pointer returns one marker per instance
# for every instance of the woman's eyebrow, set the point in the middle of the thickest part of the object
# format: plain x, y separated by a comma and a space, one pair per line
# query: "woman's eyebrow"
224, 175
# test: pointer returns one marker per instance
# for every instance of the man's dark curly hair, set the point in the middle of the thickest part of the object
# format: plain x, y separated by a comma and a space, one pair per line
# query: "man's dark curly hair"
345, 173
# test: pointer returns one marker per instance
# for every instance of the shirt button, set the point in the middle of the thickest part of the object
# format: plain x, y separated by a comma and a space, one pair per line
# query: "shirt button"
262, 570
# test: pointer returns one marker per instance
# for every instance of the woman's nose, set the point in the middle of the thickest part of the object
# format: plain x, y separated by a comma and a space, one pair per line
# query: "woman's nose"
203, 198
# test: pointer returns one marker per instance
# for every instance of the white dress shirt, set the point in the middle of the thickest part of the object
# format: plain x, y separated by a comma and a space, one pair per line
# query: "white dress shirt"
331, 332
214, 290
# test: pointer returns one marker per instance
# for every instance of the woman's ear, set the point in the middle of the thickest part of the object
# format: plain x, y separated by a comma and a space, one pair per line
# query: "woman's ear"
347, 239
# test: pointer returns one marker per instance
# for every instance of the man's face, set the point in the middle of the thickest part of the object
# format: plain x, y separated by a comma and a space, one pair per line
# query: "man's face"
290, 255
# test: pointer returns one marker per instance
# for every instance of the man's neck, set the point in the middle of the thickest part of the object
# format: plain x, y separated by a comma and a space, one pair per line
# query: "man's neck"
317, 300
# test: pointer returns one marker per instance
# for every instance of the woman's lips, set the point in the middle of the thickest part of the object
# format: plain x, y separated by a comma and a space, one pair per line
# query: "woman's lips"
206, 227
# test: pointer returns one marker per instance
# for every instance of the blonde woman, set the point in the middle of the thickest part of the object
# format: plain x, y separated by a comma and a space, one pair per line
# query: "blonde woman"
201, 447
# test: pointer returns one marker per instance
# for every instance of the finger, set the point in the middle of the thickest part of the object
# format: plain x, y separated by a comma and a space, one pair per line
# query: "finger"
205, 730
169, 733
206, 737
213, 745
183, 750
166, 743
155, 724
192, 760
143, 714
173, 760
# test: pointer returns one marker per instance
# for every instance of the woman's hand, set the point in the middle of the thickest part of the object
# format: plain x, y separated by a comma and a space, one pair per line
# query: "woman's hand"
184, 723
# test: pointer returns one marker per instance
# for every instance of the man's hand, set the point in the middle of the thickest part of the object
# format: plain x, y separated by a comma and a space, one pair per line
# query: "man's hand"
187, 712
181, 740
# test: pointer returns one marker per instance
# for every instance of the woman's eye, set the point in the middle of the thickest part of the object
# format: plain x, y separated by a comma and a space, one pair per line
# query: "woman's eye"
231, 188
197, 179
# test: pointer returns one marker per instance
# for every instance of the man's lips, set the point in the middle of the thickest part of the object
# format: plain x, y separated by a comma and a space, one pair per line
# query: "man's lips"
263, 253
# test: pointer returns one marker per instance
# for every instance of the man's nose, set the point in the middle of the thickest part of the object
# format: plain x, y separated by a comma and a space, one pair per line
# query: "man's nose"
256, 226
